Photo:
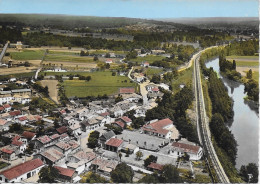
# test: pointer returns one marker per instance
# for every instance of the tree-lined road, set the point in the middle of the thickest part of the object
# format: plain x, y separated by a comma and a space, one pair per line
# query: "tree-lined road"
203, 125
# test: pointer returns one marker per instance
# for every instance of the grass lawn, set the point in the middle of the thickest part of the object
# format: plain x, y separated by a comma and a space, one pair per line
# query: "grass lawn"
101, 83
18, 75
151, 71
184, 77
3, 164
64, 52
68, 58
149, 58
246, 63
106, 51
242, 57
28, 55
256, 76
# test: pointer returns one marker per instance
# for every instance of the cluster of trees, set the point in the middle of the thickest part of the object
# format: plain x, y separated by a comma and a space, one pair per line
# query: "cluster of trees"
174, 107
103, 66
93, 178
82, 53
63, 97
252, 90
149, 160
221, 102
169, 174
41, 89
229, 68
137, 122
7, 34
122, 174
93, 139
48, 174
245, 48
131, 55
249, 173
224, 138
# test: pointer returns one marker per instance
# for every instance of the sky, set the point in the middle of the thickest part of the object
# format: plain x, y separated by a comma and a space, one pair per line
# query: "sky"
135, 8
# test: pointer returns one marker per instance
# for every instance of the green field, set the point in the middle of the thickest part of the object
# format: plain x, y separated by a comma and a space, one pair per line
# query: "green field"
107, 51
64, 53
149, 58
18, 75
101, 83
246, 63
68, 58
28, 55
242, 57
151, 71
256, 76
184, 77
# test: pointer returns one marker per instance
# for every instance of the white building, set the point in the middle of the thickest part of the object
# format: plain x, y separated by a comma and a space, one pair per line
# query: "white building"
179, 149
21, 172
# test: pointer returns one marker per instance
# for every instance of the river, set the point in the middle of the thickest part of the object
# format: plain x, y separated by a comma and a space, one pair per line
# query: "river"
245, 125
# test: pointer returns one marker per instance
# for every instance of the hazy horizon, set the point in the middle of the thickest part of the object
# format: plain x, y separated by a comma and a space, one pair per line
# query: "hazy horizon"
145, 9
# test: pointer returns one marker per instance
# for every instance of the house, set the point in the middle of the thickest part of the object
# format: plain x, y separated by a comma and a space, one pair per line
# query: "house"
66, 147
139, 77
42, 142
161, 128
33, 118
62, 130
51, 156
114, 144
105, 137
155, 167
4, 125
20, 143
130, 148
119, 124
15, 114
117, 111
2, 109
5, 97
22, 120
126, 120
179, 149
12, 79
21, 172
128, 90
150, 87
66, 175
146, 64
104, 166
154, 93
80, 161
109, 61
28, 135
131, 97
9, 152
164, 86
7, 107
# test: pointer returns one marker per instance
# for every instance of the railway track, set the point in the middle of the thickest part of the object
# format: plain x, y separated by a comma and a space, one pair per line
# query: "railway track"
203, 127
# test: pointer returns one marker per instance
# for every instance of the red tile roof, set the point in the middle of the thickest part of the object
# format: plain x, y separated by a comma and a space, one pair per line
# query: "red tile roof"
16, 142
65, 171
6, 106
28, 135
126, 90
62, 130
158, 126
8, 151
54, 136
114, 142
104, 114
155, 166
21, 169
155, 89
44, 139
186, 147
126, 119
23, 118
119, 123
1, 108
2, 122
15, 113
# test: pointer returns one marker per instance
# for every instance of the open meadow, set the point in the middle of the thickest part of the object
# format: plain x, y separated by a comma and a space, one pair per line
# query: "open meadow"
101, 83
149, 58
52, 87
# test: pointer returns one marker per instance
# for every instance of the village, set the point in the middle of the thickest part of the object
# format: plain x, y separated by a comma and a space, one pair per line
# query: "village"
93, 137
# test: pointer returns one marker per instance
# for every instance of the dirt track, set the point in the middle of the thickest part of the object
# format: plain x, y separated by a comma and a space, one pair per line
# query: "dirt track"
53, 89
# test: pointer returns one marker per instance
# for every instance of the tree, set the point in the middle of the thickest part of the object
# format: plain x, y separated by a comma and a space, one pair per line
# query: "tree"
15, 127
88, 78
93, 178
95, 58
150, 178
249, 74
149, 160
245, 171
26, 64
234, 65
48, 175
139, 155
156, 79
107, 55
122, 174
93, 139
120, 155
138, 122
170, 174
119, 98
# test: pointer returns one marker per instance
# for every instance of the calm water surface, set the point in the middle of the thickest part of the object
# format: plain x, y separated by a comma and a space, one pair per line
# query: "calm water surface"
245, 125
